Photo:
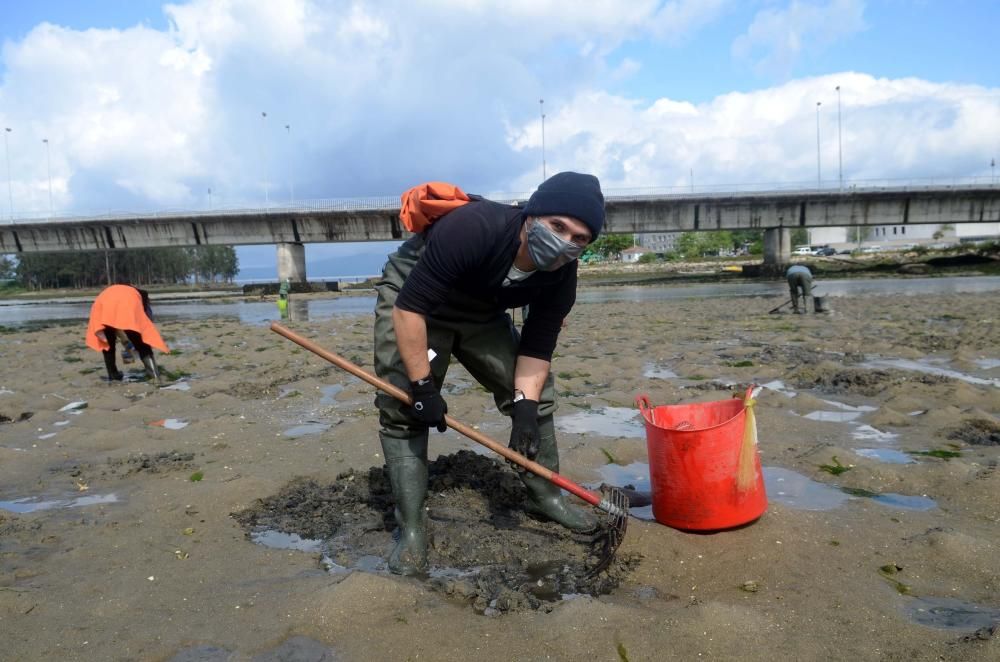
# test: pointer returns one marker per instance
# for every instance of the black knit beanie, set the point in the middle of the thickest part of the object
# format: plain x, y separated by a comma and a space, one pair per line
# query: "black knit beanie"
570, 194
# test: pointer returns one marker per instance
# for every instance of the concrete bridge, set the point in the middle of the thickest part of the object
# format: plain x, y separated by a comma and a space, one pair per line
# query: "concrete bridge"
775, 212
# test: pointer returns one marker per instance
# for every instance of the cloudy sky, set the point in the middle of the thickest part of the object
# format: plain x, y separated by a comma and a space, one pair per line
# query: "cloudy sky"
147, 105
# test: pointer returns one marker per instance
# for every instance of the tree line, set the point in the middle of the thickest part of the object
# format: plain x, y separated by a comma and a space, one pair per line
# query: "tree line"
689, 244
140, 266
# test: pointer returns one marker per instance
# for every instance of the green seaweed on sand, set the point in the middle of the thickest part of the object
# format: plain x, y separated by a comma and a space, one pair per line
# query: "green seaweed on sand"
942, 453
611, 458
836, 468
859, 492
888, 571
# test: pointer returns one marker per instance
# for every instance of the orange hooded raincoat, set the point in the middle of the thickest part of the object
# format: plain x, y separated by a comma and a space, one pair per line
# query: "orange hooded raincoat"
120, 306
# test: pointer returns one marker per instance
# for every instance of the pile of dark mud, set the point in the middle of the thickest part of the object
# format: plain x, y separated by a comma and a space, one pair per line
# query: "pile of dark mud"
859, 380
133, 463
23, 416
978, 431
483, 549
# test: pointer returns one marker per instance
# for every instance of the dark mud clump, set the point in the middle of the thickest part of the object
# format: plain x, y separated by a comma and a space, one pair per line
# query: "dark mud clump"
978, 431
127, 466
483, 549
23, 416
155, 463
861, 381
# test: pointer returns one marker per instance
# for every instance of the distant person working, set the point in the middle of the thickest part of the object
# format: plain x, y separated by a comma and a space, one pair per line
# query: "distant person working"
799, 278
122, 312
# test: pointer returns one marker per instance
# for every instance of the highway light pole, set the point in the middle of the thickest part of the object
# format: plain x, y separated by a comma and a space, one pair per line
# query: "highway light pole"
48, 164
840, 143
10, 187
819, 178
263, 142
541, 109
291, 179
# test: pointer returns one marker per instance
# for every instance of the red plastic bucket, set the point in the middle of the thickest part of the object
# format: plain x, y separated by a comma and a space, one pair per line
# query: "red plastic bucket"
694, 456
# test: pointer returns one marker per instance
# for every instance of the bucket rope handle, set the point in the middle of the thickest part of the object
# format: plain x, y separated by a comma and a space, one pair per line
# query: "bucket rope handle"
746, 474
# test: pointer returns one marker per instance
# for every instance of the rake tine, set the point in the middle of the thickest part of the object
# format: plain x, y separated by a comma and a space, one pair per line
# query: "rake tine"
615, 504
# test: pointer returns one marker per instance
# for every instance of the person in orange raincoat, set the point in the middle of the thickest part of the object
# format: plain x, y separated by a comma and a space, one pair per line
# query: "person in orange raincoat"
124, 310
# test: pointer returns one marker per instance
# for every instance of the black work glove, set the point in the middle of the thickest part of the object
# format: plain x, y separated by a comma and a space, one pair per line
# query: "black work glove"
428, 406
524, 428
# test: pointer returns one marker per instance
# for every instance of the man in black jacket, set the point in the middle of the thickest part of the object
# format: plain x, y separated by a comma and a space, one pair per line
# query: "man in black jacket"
445, 293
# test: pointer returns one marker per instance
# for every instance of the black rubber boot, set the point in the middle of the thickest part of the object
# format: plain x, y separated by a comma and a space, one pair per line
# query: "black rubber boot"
114, 374
546, 500
408, 476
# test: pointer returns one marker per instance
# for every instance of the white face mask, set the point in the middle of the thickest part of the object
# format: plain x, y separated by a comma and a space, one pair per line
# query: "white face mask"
548, 250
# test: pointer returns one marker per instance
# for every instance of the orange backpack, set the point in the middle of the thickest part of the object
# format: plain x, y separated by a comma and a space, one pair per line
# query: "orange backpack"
424, 204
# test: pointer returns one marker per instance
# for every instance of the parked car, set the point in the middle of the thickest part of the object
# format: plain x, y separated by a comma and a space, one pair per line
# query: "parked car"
802, 250
825, 251
872, 249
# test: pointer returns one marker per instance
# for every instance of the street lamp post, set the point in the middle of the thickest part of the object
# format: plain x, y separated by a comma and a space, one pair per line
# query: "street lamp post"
263, 143
541, 109
840, 143
819, 178
291, 179
48, 163
993, 170
209, 198
10, 187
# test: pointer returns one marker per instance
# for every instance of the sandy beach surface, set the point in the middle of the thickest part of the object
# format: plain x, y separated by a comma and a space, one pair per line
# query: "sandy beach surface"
240, 513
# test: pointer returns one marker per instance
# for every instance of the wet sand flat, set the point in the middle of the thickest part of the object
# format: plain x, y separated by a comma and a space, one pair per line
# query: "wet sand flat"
124, 535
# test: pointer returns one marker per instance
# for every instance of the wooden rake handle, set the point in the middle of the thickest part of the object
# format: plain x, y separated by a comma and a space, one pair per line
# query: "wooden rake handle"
458, 426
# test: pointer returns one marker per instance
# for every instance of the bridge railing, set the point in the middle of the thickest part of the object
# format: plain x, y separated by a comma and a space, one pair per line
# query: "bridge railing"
391, 202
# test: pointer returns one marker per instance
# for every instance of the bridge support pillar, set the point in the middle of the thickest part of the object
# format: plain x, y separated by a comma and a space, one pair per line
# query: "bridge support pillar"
292, 263
777, 249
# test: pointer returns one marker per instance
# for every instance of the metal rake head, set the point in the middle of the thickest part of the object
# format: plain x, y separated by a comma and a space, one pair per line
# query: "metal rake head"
614, 502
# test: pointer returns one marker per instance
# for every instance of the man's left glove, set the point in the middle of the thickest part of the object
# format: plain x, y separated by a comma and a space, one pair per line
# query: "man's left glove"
428, 406
524, 428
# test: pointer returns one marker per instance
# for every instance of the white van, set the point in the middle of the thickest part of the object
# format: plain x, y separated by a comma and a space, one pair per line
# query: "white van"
802, 250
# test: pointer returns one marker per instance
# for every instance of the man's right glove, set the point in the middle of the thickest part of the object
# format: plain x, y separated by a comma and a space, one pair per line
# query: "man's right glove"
524, 428
428, 406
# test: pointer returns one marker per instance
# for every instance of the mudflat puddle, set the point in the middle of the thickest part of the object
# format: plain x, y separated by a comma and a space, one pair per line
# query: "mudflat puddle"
796, 491
950, 614
930, 367
652, 371
634, 478
868, 433
778, 386
605, 422
833, 416
887, 455
282, 540
35, 504
330, 393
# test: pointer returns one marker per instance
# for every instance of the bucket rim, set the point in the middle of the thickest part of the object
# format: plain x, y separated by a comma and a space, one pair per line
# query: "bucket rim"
642, 402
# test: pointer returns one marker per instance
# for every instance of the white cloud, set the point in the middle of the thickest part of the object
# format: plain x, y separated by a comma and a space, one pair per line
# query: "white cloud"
777, 39
891, 128
378, 96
